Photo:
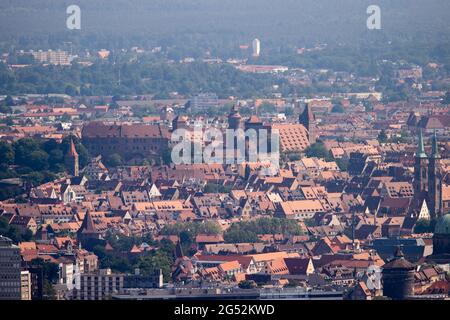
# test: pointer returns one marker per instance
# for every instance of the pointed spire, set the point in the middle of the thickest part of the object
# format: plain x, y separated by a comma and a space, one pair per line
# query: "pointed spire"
88, 225
435, 148
72, 151
421, 149
179, 250
307, 116
399, 253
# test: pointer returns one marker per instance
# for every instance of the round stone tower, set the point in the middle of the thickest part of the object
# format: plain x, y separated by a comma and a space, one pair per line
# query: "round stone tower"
398, 277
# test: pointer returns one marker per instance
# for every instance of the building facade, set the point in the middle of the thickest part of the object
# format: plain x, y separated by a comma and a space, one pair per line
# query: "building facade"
99, 286
10, 270
427, 178
133, 142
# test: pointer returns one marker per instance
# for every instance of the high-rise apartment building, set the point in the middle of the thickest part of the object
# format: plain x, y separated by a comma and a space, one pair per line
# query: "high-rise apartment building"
256, 46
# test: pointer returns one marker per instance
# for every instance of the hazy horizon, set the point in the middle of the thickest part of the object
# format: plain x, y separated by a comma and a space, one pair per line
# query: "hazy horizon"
295, 22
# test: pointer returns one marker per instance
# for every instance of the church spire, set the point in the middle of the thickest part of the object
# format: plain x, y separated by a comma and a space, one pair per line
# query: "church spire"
308, 120
72, 160
421, 149
72, 151
88, 226
435, 148
179, 250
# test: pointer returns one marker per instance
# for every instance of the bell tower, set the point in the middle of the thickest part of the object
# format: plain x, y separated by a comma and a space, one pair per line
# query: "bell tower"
420, 173
308, 120
72, 160
434, 180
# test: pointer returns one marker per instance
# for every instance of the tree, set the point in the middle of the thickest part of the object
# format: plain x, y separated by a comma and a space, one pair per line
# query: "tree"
22, 150
446, 98
382, 136
34, 178
37, 160
317, 150
13, 232
266, 107
167, 156
50, 272
245, 284
113, 160
6, 154
158, 260
343, 163
71, 90
65, 118
192, 228
248, 231
424, 226
338, 108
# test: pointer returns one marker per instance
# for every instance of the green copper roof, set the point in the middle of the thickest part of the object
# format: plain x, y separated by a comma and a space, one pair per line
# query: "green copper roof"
443, 225
421, 150
435, 148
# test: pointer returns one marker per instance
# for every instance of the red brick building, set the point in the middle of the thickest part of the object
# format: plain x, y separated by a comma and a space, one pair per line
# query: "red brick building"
133, 142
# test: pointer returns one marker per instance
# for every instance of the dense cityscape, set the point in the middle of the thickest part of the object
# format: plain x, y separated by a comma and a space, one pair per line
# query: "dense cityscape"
153, 172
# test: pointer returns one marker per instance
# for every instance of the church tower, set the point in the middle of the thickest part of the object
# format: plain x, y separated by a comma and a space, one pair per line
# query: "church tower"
420, 173
234, 119
308, 120
72, 161
434, 180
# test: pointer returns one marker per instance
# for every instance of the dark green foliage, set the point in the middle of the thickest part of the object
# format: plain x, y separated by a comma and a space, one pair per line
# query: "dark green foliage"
113, 160
338, 108
424, 226
142, 77
193, 228
248, 231
50, 272
35, 161
382, 136
317, 150
245, 284
120, 261
14, 232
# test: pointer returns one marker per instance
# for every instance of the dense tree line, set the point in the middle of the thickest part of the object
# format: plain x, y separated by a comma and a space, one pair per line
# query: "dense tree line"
119, 259
193, 228
14, 232
36, 161
248, 231
159, 78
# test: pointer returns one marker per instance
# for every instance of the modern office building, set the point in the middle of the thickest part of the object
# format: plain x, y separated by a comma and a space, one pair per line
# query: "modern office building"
10, 270
100, 285
204, 101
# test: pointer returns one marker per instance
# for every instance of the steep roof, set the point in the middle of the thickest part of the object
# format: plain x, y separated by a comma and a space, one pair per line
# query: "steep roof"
72, 150
88, 225
421, 149
307, 116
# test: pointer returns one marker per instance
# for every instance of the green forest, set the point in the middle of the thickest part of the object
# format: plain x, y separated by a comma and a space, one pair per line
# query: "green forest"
35, 161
